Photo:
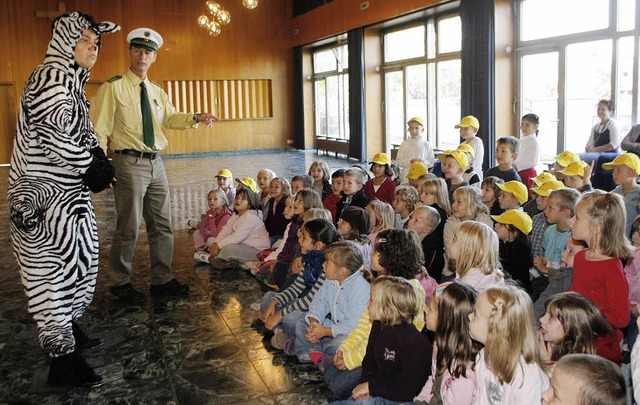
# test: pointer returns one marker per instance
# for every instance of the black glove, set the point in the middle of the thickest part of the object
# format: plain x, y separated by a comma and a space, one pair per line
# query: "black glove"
99, 175
99, 153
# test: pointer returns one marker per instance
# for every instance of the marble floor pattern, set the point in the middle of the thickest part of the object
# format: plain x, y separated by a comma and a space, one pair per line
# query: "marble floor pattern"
200, 350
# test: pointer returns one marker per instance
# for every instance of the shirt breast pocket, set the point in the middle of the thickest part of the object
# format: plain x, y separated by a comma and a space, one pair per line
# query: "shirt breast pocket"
130, 113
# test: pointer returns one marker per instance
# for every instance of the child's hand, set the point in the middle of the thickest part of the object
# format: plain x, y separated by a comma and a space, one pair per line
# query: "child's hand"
315, 332
361, 391
634, 310
338, 361
540, 263
587, 173
546, 351
214, 249
272, 320
269, 310
296, 266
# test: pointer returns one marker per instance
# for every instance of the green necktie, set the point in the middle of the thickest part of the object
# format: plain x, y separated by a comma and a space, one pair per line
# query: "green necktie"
147, 121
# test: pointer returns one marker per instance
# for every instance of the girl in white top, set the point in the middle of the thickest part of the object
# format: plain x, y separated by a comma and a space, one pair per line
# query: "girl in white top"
469, 127
527, 160
508, 369
416, 148
244, 235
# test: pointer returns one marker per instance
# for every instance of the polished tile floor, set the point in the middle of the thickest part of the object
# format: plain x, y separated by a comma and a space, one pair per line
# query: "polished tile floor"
201, 350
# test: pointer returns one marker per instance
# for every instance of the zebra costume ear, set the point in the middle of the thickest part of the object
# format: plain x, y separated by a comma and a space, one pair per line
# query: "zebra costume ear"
106, 27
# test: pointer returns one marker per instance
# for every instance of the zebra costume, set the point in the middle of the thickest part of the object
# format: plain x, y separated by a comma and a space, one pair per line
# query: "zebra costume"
54, 164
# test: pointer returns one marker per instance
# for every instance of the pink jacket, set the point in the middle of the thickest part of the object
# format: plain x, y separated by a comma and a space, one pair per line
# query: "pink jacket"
480, 281
247, 229
632, 273
212, 223
453, 391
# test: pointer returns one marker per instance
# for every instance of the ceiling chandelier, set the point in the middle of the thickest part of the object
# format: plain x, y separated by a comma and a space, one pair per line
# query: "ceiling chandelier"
218, 16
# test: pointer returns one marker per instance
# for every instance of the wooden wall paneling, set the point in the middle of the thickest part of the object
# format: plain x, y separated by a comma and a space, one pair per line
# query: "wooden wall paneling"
373, 91
506, 121
8, 120
340, 16
6, 49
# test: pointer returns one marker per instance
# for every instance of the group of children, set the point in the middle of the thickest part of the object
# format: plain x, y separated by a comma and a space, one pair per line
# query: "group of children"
420, 288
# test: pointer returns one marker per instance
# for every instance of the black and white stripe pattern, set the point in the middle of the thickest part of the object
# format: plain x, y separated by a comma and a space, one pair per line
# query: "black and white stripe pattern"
53, 226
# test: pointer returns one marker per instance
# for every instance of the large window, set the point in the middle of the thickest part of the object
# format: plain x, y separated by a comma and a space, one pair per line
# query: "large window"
565, 65
422, 78
331, 92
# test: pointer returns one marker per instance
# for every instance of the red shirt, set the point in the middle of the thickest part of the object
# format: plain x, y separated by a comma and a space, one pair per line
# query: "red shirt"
604, 283
385, 191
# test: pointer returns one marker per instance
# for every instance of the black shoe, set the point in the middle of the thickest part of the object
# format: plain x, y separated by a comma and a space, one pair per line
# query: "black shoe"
82, 340
73, 370
127, 293
170, 289
223, 264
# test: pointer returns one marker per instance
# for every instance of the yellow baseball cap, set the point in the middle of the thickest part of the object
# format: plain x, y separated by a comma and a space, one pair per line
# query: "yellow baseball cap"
249, 182
543, 177
517, 189
465, 147
225, 173
416, 170
574, 169
566, 158
469, 121
517, 218
547, 187
416, 119
381, 159
630, 160
459, 156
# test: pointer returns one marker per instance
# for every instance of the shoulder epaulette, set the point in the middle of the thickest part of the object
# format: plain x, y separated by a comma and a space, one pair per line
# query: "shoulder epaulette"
114, 78
157, 84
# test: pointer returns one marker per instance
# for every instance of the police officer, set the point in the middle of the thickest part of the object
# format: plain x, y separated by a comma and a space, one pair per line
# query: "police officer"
130, 111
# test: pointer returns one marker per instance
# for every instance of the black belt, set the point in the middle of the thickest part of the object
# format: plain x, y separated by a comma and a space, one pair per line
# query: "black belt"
138, 154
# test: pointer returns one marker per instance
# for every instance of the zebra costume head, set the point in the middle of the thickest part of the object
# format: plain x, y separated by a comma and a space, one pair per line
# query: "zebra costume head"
67, 31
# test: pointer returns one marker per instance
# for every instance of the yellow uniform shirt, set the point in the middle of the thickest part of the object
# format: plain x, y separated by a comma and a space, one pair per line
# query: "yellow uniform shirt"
116, 114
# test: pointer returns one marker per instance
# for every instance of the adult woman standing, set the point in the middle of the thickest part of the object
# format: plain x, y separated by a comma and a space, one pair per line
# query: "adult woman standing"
604, 143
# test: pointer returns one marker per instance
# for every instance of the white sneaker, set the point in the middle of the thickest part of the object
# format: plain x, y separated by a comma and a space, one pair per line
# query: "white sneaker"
202, 257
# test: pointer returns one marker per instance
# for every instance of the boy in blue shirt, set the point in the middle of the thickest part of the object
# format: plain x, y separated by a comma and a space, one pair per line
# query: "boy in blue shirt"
626, 168
560, 206
506, 152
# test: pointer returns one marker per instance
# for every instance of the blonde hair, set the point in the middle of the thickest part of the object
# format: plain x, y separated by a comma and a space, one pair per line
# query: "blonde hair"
221, 195
284, 184
600, 381
325, 169
409, 195
566, 198
393, 300
270, 174
607, 211
356, 173
344, 254
478, 247
438, 188
384, 217
473, 198
316, 213
433, 216
510, 332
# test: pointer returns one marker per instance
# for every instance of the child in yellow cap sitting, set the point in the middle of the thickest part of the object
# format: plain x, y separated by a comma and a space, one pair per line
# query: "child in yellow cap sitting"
454, 163
470, 175
512, 228
513, 194
577, 175
626, 168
